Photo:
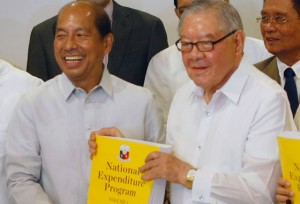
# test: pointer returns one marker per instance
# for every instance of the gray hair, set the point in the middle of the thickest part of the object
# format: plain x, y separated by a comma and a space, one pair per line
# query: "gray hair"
229, 18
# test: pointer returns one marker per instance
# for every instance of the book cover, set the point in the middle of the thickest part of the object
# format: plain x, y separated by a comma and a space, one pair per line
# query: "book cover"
289, 151
115, 176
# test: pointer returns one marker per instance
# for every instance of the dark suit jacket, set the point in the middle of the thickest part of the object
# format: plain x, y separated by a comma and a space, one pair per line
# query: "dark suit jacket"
138, 36
269, 67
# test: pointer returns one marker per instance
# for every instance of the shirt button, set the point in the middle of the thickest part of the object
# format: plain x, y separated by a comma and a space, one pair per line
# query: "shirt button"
201, 198
207, 113
199, 147
88, 100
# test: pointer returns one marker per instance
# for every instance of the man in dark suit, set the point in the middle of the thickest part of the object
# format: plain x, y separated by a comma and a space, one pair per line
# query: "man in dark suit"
280, 28
137, 37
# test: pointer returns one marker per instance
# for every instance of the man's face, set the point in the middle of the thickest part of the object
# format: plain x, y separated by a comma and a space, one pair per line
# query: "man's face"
79, 49
210, 70
282, 40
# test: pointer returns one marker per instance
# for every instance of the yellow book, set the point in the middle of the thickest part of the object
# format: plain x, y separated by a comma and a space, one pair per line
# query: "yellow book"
115, 177
289, 150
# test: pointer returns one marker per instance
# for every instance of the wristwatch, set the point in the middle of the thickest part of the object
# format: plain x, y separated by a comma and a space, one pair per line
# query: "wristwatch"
190, 178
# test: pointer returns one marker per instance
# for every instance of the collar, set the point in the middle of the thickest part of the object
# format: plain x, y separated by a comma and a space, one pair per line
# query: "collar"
67, 88
232, 89
282, 67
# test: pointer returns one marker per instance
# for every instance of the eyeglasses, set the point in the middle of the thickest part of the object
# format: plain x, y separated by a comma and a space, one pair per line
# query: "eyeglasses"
279, 20
202, 46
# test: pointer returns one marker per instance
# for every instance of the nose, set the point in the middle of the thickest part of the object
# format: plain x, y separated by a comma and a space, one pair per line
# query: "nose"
70, 43
195, 53
268, 27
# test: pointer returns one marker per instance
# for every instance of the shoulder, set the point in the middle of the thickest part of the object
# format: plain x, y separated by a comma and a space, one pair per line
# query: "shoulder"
16, 78
124, 88
168, 55
262, 83
46, 26
139, 16
262, 64
184, 92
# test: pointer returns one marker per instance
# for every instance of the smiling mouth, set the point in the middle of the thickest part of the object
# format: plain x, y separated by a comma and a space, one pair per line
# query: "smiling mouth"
73, 58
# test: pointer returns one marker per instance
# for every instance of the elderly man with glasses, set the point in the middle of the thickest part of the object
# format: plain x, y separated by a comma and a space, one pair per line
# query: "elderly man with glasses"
223, 123
166, 72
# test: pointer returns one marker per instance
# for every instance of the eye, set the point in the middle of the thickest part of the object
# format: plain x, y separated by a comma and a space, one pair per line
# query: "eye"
280, 19
265, 18
185, 44
60, 34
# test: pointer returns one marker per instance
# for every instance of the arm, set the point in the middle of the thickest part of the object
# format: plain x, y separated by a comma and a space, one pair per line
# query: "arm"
156, 81
23, 161
255, 180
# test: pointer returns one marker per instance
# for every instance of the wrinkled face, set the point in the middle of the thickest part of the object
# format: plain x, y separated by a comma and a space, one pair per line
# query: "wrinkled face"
79, 49
210, 70
282, 40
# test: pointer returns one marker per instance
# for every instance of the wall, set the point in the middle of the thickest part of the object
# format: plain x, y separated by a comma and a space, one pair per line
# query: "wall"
17, 17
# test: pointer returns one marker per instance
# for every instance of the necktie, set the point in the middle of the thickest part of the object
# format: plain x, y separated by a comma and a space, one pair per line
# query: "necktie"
291, 89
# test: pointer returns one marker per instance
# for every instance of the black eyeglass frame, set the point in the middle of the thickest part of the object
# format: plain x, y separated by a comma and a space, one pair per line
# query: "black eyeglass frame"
212, 43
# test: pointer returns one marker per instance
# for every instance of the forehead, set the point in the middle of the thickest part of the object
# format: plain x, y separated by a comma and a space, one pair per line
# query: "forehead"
278, 6
199, 23
80, 13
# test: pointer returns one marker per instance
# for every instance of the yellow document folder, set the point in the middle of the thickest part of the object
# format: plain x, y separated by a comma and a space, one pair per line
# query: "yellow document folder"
289, 149
115, 176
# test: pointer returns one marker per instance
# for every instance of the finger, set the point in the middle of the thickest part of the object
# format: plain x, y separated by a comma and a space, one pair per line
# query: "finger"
284, 192
283, 182
153, 155
93, 135
148, 166
111, 131
281, 198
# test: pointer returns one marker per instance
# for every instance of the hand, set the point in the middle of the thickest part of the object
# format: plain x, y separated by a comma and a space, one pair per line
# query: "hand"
282, 192
114, 132
166, 166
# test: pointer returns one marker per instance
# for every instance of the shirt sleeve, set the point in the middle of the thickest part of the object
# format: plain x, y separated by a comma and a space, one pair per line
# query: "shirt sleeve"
255, 182
23, 161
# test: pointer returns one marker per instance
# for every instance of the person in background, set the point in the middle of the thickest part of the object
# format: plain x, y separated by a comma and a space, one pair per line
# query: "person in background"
166, 72
280, 27
222, 124
138, 36
279, 23
47, 159
13, 84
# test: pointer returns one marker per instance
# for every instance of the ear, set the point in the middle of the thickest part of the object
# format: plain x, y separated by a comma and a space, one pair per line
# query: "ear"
108, 43
239, 37
177, 12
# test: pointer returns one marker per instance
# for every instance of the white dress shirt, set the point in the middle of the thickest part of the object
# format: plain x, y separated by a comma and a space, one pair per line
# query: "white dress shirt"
232, 140
47, 152
166, 72
13, 84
